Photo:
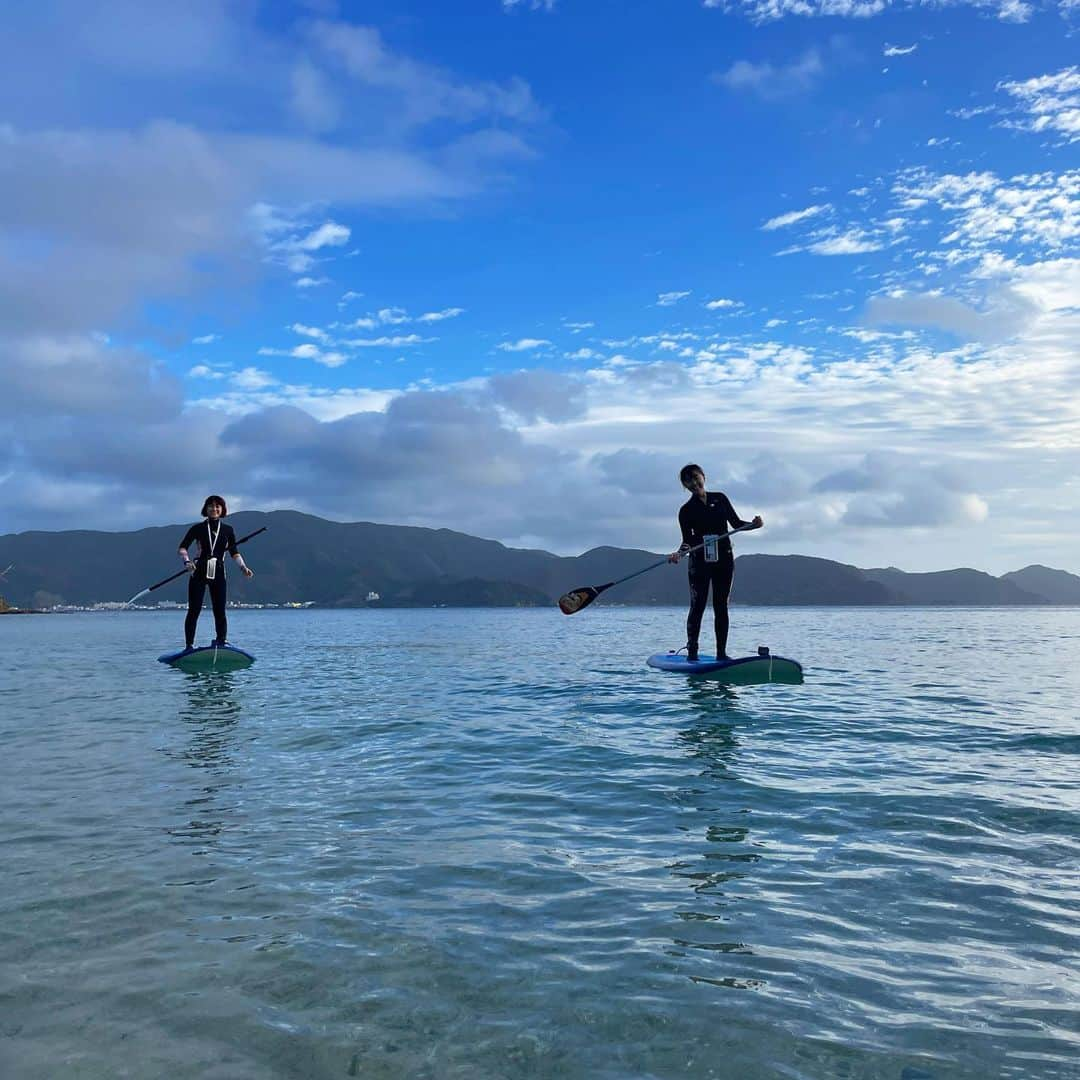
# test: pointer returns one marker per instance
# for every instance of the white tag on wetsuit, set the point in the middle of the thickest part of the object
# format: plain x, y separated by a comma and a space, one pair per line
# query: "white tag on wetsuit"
211, 569
711, 550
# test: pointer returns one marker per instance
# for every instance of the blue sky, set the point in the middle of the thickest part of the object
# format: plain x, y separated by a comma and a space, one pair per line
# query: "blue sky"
504, 267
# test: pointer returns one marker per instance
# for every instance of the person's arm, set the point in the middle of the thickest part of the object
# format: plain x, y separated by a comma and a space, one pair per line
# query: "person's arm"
737, 522
182, 550
234, 552
687, 536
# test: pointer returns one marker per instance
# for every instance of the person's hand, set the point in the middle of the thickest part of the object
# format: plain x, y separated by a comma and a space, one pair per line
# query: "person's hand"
757, 522
248, 572
674, 557
189, 566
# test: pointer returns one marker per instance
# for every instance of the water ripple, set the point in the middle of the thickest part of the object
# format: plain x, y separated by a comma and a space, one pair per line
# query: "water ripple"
493, 844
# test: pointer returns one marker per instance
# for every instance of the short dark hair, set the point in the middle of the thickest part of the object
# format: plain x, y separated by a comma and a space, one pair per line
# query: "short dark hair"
686, 470
214, 499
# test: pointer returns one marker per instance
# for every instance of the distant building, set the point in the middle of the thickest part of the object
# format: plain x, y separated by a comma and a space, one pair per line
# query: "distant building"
372, 596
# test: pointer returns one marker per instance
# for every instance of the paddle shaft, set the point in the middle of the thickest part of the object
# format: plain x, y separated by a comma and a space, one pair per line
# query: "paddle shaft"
180, 573
653, 566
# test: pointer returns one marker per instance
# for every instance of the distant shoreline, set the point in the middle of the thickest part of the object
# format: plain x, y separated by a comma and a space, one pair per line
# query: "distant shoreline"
546, 607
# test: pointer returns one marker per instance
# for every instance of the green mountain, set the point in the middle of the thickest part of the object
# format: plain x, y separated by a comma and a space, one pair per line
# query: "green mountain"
953, 587
302, 558
1056, 586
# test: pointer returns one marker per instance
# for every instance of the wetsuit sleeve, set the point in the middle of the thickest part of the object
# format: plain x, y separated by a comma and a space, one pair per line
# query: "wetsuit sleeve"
230, 539
189, 538
733, 519
685, 528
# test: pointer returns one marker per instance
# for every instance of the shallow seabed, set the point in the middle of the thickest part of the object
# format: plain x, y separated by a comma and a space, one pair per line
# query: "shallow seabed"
493, 844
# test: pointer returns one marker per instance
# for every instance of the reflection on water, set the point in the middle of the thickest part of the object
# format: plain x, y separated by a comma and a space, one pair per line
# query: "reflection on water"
209, 716
717, 871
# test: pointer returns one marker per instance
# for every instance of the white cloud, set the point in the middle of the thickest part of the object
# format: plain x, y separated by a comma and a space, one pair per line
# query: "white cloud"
311, 282
668, 299
522, 345
763, 11
313, 99
423, 94
899, 50
329, 234
773, 82
722, 303
308, 352
439, 316
205, 339
251, 378
310, 331
852, 242
395, 342
1051, 102
794, 216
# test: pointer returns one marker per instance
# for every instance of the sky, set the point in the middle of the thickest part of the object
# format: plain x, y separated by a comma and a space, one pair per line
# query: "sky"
504, 266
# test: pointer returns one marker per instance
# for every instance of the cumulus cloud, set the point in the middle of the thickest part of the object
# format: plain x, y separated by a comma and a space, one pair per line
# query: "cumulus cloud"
1005, 315
535, 396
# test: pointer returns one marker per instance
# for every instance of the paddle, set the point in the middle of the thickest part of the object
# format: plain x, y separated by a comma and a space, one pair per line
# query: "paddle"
572, 602
180, 573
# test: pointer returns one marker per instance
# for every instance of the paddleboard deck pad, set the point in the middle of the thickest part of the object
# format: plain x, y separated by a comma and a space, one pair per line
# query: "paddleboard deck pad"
739, 670
209, 658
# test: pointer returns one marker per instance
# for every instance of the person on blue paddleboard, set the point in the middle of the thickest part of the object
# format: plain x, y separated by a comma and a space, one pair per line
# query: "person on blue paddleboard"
704, 519
207, 571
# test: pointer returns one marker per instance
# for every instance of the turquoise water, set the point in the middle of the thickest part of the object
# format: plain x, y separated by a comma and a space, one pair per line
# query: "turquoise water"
494, 844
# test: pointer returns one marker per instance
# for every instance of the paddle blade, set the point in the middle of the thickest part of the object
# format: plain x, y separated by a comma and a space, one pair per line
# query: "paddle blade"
573, 602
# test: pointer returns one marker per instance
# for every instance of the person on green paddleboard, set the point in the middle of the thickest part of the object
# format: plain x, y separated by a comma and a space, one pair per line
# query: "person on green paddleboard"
207, 571
703, 520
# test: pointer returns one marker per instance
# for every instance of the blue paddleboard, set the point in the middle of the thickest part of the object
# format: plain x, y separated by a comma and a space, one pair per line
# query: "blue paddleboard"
209, 658
739, 671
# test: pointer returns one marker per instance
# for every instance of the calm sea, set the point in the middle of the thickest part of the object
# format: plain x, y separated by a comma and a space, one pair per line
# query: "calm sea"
494, 844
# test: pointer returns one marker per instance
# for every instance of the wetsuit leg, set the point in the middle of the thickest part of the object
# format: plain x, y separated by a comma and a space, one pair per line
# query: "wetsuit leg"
217, 598
196, 589
722, 574
698, 576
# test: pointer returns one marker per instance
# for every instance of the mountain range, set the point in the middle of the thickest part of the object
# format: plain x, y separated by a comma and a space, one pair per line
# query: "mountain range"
303, 558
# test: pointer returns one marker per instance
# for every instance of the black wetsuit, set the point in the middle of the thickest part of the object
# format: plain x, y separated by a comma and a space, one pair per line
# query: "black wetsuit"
697, 520
223, 540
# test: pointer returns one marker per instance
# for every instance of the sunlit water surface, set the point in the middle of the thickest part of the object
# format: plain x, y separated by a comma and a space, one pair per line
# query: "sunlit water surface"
494, 844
